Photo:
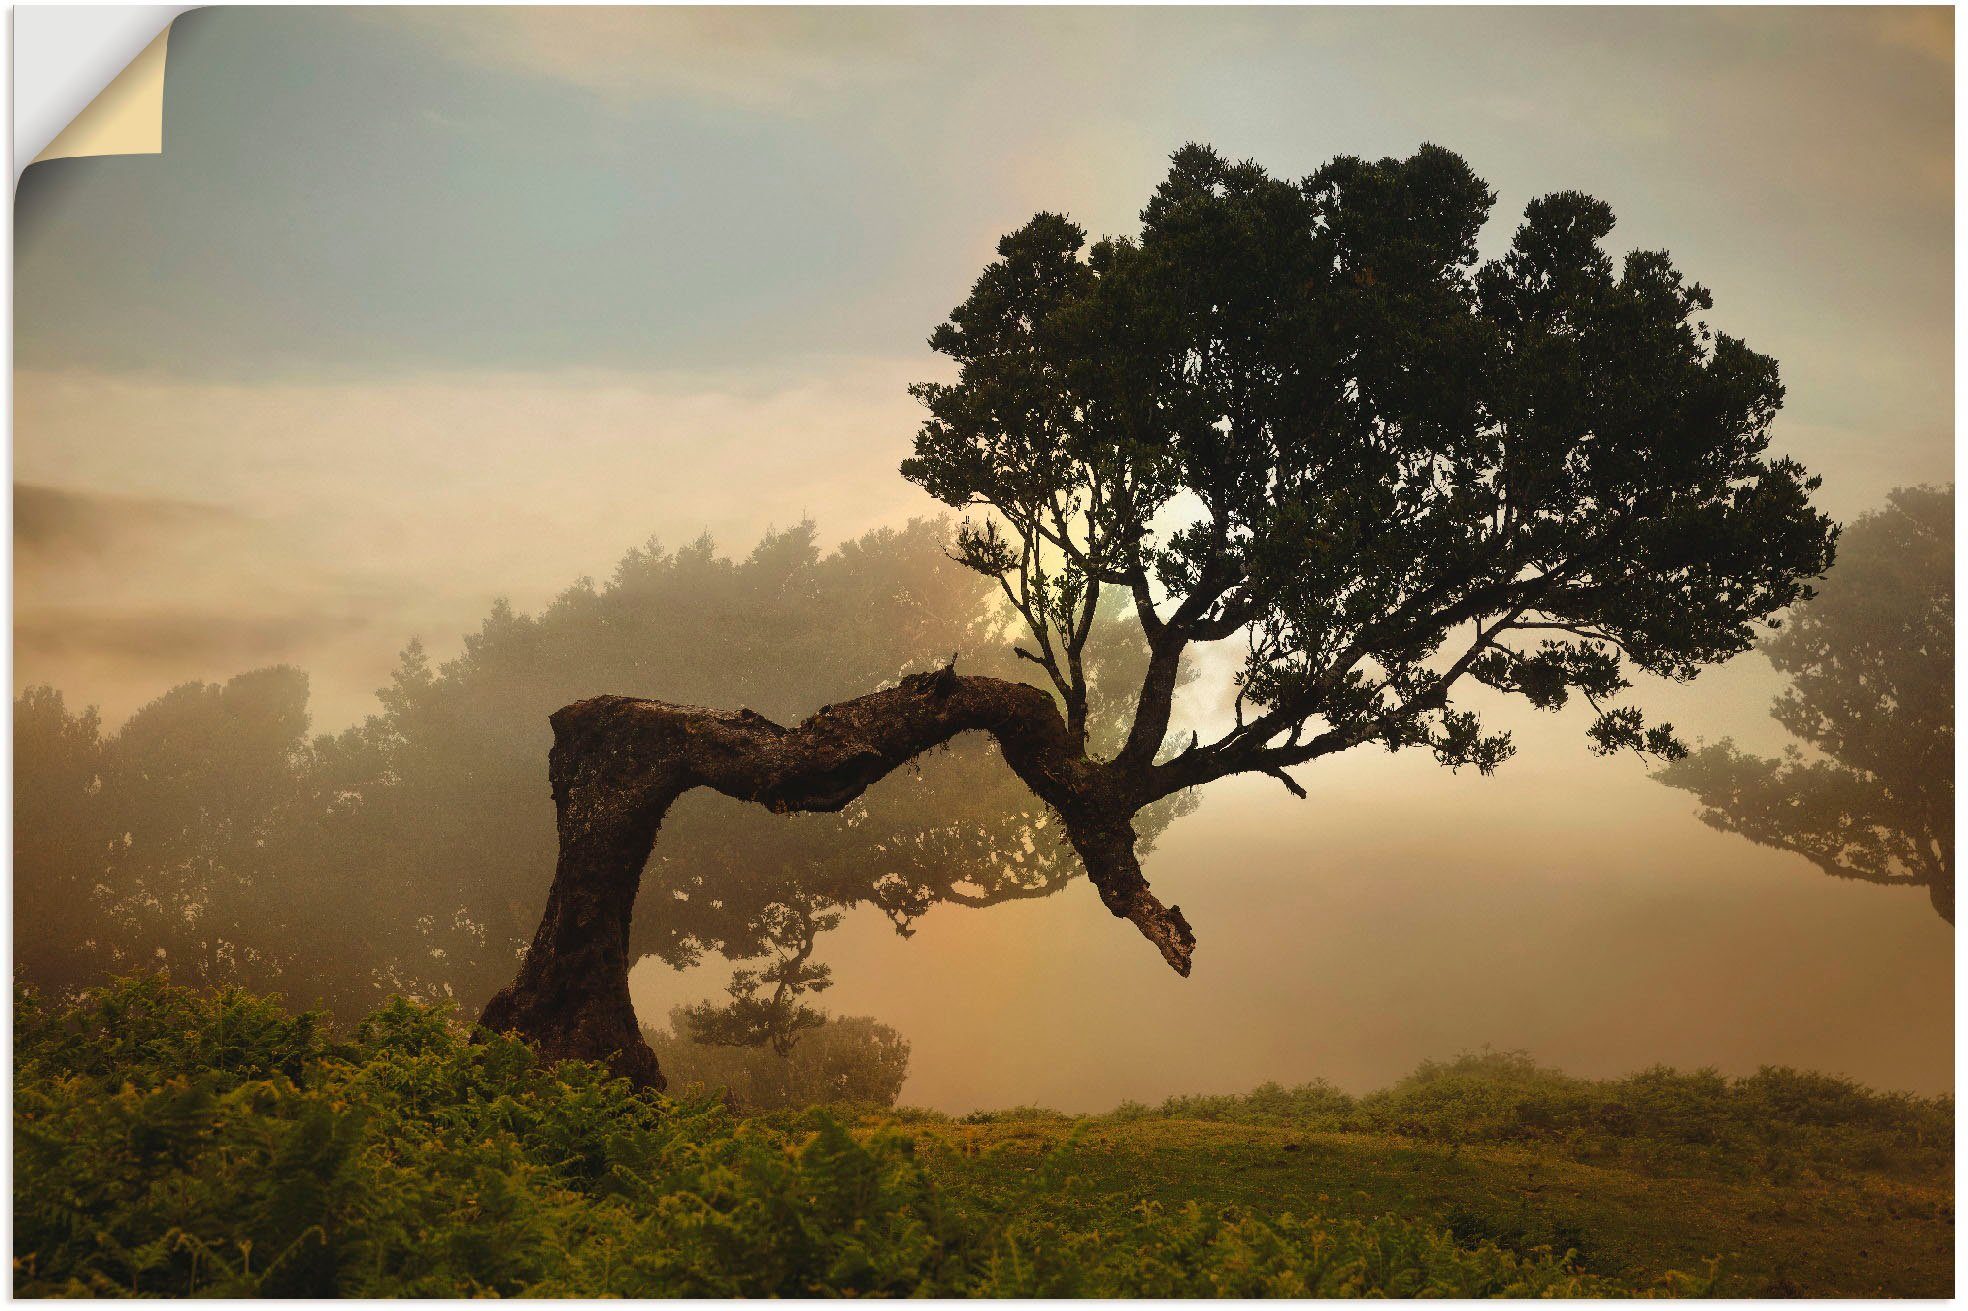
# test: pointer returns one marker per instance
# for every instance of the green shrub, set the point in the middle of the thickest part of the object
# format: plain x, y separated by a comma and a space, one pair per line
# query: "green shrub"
1195, 1252
1315, 1105
1015, 1115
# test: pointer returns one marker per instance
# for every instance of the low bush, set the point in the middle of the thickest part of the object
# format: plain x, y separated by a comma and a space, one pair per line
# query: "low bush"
1315, 1105
842, 1059
1775, 1123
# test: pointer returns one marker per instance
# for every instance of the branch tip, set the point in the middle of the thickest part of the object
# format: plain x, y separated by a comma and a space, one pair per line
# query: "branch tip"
1292, 785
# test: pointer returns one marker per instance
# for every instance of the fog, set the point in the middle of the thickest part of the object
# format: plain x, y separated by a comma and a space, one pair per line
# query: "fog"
226, 466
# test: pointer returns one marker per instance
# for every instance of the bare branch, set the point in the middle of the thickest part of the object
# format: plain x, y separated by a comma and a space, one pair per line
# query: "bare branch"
1292, 785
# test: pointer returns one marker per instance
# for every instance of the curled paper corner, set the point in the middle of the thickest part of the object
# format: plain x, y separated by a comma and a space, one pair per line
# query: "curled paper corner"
126, 117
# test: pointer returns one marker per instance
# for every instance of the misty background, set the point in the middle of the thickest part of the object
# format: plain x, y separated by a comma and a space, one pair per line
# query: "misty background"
423, 309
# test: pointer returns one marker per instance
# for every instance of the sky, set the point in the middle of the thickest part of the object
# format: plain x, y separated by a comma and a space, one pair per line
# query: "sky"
422, 308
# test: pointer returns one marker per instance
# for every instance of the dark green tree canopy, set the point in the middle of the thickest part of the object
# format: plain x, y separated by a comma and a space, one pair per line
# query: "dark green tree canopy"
1305, 416
1867, 790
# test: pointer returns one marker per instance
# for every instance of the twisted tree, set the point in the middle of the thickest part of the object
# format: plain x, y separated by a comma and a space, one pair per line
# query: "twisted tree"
1301, 416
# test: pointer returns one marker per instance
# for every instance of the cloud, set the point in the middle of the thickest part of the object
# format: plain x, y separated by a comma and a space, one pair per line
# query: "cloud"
1926, 30
371, 190
753, 58
325, 524
217, 637
120, 595
58, 522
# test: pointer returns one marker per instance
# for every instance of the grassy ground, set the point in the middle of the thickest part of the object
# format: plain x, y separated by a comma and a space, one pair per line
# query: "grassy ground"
168, 1142
1861, 1235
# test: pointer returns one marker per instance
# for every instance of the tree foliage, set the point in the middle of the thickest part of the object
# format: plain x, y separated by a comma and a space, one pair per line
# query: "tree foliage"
1304, 416
1866, 792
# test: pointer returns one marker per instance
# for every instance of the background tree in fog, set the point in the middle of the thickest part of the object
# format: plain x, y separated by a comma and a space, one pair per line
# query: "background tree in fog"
61, 840
844, 1058
1300, 416
1867, 792
165, 843
209, 835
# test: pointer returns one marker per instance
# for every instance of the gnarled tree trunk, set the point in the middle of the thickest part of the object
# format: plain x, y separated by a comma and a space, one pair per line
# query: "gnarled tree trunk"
618, 763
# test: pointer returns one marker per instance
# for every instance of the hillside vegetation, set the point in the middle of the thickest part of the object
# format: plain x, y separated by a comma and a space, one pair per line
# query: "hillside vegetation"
175, 1142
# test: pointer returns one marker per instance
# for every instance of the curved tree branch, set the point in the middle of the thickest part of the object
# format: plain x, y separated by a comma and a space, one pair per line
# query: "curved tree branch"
618, 763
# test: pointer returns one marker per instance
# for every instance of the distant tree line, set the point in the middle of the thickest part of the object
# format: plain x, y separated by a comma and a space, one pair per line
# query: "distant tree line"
213, 836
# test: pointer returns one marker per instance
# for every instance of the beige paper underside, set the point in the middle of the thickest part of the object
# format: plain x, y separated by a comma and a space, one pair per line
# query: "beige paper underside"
126, 119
